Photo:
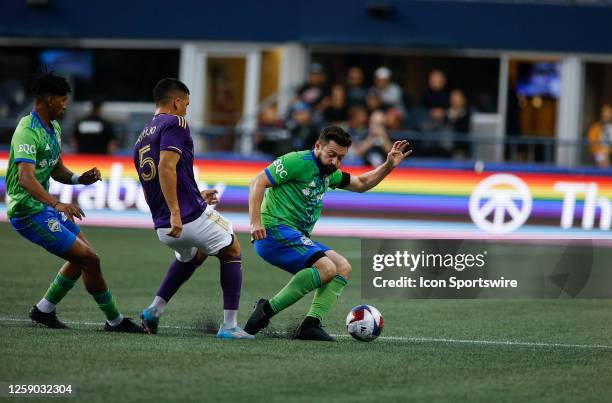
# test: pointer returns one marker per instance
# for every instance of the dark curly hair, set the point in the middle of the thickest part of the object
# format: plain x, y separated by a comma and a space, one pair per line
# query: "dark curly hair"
337, 134
48, 84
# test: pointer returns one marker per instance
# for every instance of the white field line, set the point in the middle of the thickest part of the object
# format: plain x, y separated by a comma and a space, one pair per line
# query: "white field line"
390, 338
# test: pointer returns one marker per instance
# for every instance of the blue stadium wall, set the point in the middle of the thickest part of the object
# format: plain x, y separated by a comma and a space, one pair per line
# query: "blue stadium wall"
438, 24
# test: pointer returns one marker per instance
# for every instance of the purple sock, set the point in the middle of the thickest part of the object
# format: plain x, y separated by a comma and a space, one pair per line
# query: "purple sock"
231, 282
177, 274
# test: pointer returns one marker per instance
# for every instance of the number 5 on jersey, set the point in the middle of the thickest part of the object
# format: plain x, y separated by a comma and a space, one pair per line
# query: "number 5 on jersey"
144, 162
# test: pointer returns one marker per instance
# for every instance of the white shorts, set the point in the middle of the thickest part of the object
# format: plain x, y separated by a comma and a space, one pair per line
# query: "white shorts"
210, 233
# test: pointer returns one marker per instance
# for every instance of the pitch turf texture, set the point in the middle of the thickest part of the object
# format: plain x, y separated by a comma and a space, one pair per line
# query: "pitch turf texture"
561, 352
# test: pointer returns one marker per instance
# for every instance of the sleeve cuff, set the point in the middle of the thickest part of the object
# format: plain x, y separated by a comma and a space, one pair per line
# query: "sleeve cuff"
175, 149
269, 175
29, 161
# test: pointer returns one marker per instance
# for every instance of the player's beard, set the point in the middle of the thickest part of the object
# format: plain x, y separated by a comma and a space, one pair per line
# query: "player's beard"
327, 169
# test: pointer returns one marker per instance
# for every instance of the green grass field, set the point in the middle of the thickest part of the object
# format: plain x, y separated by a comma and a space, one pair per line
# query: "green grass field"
561, 354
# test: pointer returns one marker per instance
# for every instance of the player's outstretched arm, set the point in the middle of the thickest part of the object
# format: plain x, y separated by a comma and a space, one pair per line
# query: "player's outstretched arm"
370, 179
167, 182
64, 175
28, 181
256, 194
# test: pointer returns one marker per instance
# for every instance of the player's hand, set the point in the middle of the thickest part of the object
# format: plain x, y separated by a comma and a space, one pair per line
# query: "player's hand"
70, 209
399, 151
258, 232
176, 226
210, 196
91, 176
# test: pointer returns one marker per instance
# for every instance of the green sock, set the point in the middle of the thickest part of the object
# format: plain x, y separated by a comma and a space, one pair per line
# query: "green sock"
59, 288
326, 296
107, 304
301, 284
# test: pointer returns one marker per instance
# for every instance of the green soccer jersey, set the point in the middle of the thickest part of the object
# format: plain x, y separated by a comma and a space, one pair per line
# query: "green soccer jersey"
34, 144
296, 196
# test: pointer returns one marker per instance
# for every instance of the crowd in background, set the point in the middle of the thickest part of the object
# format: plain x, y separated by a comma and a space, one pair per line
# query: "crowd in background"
374, 111
373, 115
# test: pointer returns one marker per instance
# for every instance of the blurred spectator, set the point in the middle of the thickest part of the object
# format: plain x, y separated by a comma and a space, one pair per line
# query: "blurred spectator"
394, 119
272, 137
356, 91
459, 115
315, 89
374, 146
93, 134
357, 125
390, 93
434, 127
12, 98
373, 101
435, 95
459, 121
303, 132
337, 111
436, 121
600, 137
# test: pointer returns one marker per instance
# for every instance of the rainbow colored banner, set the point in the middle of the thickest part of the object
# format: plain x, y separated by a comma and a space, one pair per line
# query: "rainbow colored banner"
559, 200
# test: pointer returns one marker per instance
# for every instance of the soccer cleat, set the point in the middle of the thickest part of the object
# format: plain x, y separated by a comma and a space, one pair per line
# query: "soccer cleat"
311, 329
48, 319
150, 319
125, 326
259, 319
235, 333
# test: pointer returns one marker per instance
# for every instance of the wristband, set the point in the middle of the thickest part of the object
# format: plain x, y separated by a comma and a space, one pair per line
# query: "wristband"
75, 179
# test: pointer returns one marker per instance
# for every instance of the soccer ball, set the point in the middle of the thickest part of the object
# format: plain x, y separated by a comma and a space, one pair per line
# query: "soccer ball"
364, 323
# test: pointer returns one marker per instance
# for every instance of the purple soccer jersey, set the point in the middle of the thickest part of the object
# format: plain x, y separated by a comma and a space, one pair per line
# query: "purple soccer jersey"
168, 132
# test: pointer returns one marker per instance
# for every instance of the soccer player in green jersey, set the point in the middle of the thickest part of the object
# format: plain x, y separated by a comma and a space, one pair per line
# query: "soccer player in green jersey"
34, 158
285, 202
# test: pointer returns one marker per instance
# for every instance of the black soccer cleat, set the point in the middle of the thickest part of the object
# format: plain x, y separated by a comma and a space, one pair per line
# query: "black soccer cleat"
48, 319
311, 329
260, 318
125, 326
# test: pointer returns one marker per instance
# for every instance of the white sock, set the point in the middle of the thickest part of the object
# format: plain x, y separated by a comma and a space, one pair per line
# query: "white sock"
230, 318
45, 306
115, 321
159, 303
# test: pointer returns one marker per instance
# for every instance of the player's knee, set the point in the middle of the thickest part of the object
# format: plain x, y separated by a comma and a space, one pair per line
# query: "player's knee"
231, 252
90, 261
344, 269
327, 270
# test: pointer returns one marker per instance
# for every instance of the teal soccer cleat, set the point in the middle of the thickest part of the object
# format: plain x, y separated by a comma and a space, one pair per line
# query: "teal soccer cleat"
235, 333
150, 320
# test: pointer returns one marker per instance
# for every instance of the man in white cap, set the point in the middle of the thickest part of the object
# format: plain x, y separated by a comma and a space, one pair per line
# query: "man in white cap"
390, 93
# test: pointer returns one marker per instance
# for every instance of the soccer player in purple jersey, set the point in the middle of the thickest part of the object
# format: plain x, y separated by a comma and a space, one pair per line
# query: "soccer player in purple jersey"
163, 155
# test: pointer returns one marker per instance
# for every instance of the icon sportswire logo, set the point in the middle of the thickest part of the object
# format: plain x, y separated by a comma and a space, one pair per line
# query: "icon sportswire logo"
499, 197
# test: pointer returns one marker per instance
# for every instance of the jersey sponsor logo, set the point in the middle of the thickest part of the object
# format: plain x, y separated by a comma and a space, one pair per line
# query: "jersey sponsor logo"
47, 148
27, 148
312, 184
54, 225
279, 168
306, 241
